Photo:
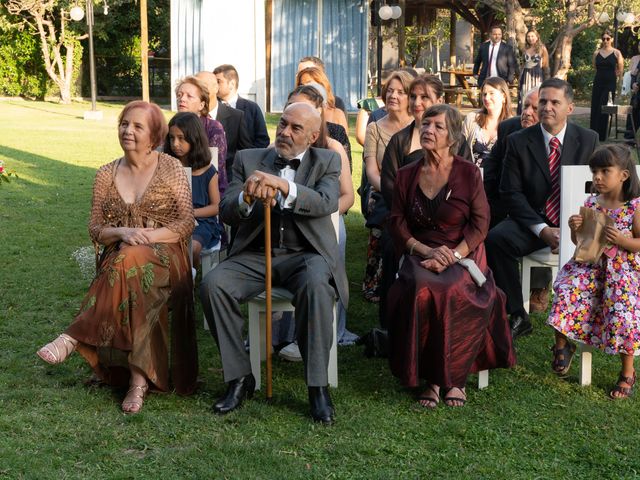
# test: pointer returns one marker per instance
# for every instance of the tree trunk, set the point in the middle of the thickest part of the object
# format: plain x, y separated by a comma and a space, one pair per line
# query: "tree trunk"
516, 28
401, 37
560, 52
59, 70
562, 55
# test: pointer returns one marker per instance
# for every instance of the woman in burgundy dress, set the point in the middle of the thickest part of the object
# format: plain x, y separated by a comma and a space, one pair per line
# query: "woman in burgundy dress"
447, 323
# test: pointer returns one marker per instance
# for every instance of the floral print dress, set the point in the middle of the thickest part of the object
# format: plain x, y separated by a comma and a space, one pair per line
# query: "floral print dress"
598, 304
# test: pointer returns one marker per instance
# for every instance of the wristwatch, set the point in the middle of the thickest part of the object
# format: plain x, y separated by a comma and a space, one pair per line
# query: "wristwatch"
457, 255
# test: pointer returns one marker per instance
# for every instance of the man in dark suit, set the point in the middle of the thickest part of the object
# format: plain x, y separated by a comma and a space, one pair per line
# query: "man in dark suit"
530, 190
232, 120
228, 82
305, 253
495, 59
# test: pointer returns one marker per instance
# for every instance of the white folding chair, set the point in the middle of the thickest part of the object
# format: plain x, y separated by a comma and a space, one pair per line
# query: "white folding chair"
281, 302
539, 258
573, 191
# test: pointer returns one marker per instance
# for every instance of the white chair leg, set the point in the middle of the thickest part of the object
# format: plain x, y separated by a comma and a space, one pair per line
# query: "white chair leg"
255, 340
585, 364
483, 379
526, 283
333, 353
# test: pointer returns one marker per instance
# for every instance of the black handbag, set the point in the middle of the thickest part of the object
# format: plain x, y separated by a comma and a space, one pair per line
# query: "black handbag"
376, 343
377, 211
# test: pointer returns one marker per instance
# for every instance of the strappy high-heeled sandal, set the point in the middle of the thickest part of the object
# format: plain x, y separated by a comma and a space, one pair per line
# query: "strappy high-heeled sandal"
53, 354
430, 397
134, 399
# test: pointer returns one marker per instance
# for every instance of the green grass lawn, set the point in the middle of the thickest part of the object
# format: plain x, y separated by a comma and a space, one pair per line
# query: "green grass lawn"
527, 424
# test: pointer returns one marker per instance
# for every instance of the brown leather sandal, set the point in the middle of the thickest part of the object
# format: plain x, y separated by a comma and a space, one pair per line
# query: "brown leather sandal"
623, 392
562, 358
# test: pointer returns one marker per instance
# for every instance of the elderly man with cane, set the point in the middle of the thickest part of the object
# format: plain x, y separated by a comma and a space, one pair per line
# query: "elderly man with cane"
301, 184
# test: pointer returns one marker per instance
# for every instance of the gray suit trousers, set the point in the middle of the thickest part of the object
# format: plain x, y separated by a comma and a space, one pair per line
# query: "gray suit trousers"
241, 277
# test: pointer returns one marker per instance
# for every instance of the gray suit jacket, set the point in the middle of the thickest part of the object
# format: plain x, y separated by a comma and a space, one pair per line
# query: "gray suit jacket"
317, 181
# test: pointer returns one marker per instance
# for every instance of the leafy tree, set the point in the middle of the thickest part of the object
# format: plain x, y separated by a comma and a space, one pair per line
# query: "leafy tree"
21, 70
422, 38
58, 40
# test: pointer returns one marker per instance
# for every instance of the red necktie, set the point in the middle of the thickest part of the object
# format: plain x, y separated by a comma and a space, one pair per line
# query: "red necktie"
553, 202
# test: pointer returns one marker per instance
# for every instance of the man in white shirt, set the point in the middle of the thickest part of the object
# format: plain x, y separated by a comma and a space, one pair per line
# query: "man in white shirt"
495, 59
228, 83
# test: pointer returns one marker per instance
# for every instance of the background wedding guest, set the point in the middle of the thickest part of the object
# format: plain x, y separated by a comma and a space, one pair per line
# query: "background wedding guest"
634, 69
480, 128
535, 68
231, 119
312, 61
609, 65
495, 58
228, 84
193, 96
332, 112
396, 94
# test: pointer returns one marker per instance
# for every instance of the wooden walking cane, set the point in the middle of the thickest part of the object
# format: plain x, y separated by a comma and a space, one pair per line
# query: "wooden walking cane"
267, 289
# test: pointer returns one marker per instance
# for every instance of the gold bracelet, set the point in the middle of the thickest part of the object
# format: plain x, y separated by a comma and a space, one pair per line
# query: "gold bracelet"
413, 245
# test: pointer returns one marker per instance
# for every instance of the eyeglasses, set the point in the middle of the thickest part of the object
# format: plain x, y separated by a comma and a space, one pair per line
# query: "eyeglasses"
606, 39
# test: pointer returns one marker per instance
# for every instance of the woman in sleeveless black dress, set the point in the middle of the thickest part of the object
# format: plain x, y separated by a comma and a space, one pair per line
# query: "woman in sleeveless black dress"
608, 63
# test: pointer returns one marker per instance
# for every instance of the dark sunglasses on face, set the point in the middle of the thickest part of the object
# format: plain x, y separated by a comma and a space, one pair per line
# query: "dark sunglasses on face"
606, 39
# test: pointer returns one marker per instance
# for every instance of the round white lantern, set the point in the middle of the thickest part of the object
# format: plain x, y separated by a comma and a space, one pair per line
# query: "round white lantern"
603, 18
396, 11
629, 18
76, 13
620, 16
385, 12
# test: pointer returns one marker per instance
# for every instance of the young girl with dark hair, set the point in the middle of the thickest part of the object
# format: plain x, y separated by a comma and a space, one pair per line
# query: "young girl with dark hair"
187, 141
599, 304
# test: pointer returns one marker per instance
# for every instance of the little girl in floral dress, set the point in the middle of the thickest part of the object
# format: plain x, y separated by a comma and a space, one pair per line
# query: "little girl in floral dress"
599, 304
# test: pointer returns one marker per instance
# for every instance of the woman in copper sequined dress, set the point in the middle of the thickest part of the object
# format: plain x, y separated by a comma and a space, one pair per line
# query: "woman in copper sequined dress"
443, 323
142, 215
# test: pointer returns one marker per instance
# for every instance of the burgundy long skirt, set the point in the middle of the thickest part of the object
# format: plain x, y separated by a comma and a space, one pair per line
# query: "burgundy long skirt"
442, 326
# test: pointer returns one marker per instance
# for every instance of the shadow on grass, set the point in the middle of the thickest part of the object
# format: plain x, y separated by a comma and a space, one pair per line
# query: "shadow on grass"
37, 105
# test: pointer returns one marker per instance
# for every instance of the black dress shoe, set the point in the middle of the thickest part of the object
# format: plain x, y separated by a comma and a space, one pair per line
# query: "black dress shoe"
520, 326
237, 391
321, 406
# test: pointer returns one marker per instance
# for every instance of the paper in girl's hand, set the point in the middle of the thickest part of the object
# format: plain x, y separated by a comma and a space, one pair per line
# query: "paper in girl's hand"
591, 236
610, 251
